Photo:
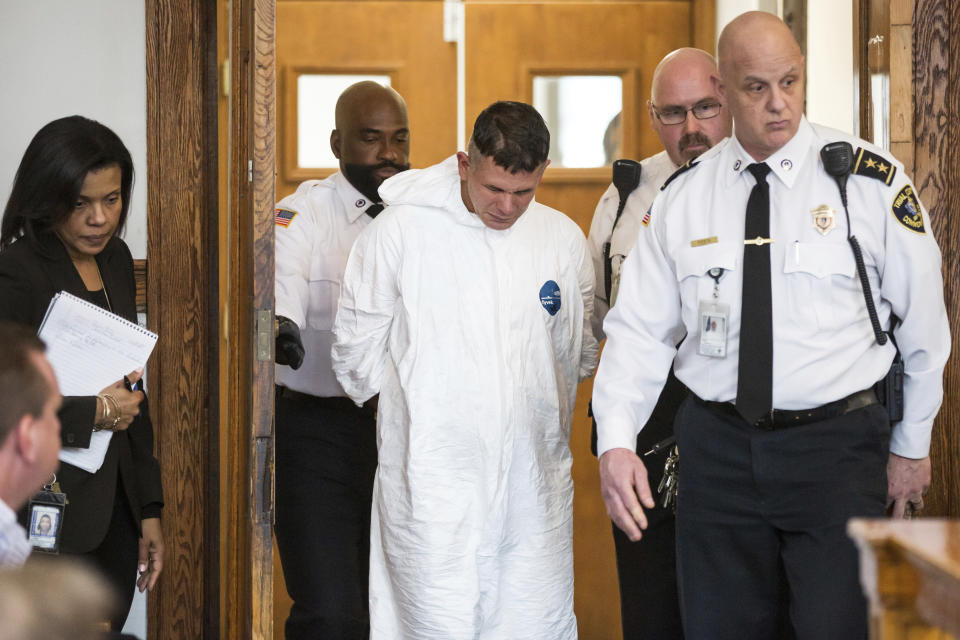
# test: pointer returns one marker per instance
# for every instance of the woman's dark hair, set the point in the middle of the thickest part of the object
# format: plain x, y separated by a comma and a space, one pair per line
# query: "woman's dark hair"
52, 172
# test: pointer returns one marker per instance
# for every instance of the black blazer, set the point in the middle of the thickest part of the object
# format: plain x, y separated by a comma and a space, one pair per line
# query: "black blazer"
28, 280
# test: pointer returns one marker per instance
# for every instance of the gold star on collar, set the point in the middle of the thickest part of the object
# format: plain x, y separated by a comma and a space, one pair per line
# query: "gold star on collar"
871, 163
882, 168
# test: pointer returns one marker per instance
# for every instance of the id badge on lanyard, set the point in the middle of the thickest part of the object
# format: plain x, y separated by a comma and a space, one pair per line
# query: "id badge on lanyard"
714, 316
46, 511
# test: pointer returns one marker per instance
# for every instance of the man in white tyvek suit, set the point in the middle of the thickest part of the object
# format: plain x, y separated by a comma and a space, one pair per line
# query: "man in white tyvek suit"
467, 306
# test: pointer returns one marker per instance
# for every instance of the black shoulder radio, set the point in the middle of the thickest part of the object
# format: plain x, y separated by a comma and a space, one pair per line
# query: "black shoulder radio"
837, 160
626, 178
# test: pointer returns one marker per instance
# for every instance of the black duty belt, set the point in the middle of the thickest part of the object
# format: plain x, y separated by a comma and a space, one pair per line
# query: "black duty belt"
332, 402
782, 419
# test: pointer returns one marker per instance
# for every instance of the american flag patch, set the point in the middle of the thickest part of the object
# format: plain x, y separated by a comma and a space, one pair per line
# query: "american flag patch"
646, 218
284, 217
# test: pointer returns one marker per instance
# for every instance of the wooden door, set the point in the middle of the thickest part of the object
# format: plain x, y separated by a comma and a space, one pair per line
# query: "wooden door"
508, 44
397, 38
181, 180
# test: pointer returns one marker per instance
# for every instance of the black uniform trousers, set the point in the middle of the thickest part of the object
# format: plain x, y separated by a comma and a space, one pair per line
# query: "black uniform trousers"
762, 549
649, 606
326, 457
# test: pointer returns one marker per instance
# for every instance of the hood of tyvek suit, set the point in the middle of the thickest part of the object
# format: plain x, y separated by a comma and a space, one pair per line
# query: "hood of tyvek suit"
436, 186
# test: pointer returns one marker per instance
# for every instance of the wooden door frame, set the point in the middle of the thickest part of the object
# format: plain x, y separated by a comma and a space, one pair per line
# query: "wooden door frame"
181, 294
246, 578
924, 73
217, 519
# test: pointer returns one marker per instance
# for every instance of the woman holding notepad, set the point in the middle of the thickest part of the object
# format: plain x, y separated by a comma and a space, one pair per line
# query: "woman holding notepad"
60, 232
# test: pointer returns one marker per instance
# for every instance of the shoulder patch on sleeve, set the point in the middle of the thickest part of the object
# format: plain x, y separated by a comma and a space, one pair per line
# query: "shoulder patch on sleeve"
871, 165
906, 210
690, 164
283, 217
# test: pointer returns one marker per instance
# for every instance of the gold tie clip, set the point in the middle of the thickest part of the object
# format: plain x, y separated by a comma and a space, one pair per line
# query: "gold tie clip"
759, 241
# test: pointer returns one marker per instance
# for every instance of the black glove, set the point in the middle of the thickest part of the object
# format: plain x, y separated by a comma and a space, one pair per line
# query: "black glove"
289, 347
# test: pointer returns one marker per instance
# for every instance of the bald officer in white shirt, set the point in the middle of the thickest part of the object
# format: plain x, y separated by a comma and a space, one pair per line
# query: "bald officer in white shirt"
774, 465
326, 446
688, 116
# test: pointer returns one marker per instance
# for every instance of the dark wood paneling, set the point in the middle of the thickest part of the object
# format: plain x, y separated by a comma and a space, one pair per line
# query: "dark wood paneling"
936, 73
140, 275
214, 450
181, 191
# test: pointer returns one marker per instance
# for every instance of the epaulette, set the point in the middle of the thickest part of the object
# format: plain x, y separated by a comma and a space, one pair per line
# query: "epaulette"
871, 165
690, 164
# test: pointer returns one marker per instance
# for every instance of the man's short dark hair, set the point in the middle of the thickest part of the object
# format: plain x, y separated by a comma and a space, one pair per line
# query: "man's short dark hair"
513, 134
23, 388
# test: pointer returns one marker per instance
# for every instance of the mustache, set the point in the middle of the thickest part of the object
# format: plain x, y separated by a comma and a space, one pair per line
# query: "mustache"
386, 164
695, 138
362, 176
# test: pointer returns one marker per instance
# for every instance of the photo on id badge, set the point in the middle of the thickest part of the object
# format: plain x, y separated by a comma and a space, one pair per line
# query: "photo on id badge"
44, 525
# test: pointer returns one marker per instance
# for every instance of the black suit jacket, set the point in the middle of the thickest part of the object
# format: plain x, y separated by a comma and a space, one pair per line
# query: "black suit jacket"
29, 278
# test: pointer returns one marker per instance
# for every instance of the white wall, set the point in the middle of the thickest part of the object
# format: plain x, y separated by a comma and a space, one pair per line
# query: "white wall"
727, 10
830, 77
829, 55
63, 57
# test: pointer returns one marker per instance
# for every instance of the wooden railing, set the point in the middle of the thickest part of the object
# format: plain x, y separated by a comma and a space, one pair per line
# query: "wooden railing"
910, 571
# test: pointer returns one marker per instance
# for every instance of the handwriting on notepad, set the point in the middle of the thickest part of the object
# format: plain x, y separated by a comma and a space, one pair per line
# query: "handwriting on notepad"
91, 348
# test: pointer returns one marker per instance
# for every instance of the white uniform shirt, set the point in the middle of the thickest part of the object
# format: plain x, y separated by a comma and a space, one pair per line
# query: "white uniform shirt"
311, 252
14, 546
654, 172
824, 347
475, 339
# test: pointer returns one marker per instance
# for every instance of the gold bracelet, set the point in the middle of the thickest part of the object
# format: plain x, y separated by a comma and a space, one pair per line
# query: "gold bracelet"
98, 425
111, 413
117, 414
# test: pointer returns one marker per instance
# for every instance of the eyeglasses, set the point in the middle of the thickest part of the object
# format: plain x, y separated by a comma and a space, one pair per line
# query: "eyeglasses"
678, 115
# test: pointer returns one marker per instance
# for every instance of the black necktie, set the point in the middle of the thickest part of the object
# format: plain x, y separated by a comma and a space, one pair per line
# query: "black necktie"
755, 368
374, 209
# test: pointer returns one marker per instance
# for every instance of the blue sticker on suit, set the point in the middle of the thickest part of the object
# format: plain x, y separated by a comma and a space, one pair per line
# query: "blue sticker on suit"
550, 297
